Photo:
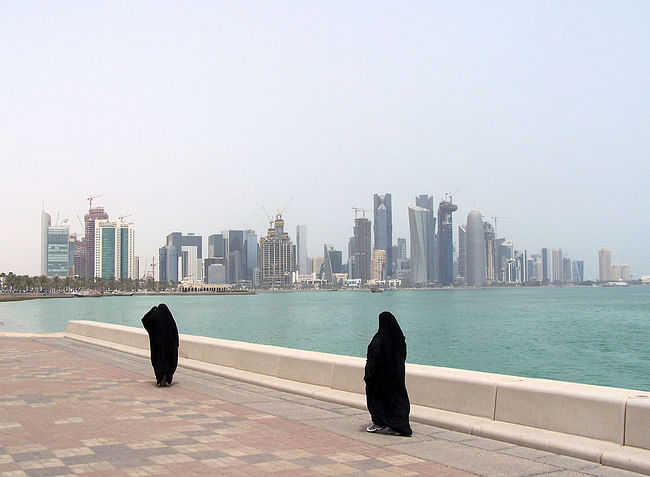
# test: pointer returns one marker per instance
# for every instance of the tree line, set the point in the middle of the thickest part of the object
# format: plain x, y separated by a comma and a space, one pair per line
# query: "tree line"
12, 283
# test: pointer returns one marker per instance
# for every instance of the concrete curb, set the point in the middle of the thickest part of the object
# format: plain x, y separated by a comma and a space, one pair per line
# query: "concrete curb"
336, 379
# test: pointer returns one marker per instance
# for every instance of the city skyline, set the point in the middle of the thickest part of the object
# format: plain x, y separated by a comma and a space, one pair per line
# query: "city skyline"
194, 118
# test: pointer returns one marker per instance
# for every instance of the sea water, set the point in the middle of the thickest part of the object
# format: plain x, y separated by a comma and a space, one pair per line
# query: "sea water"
583, 334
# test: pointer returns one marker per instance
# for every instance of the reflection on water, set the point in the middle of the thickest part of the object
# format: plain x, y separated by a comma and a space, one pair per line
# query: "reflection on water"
594, 335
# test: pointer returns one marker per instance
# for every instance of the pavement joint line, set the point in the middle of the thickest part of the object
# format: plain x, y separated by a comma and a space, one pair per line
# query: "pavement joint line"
138, 365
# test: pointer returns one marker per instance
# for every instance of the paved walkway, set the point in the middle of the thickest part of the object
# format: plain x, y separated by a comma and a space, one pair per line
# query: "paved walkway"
68, 408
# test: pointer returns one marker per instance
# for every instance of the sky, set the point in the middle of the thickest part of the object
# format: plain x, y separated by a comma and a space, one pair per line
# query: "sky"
194, 116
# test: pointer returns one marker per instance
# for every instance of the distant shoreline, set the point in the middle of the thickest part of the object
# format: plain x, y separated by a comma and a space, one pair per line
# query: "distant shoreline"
9, 297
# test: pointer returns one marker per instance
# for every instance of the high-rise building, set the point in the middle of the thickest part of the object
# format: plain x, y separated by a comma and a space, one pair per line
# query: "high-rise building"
505, 253
179, 258
216, 246
604, 265
566, 269
46, 221
462, 253
114, 250
626, 272
401, 249
446, 242
55, 248
250, 252
578, 271
95, 213
301, 248
558, 273
276, 256
546, 265
616, 272
378, 264
360, 248
383, 215
476, 247
426, 202
332, 263
419, 244
490, 252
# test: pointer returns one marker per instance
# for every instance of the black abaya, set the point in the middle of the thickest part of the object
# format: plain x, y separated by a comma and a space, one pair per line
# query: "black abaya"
386, 395
163, 342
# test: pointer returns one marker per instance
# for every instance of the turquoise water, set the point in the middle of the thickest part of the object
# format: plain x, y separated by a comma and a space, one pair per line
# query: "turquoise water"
589, 335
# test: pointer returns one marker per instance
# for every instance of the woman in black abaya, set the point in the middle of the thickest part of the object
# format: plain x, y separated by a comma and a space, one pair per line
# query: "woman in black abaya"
386, 395
163, 342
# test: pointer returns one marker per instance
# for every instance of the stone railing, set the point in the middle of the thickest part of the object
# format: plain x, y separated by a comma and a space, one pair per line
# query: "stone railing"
601, 424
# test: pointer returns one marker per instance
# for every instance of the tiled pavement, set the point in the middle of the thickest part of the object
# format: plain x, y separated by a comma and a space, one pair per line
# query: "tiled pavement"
68, 408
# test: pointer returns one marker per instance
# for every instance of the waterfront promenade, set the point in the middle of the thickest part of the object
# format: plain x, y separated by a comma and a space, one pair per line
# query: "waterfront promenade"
70, 408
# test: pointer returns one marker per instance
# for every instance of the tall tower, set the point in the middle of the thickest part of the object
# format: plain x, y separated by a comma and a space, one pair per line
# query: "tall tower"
446, 241
418, 222
114, 250
301, 248
46, 221
276, 256
476, 264
490, 252
360, 247
383, 214
545, 267
426, 202
462, 252
604, 265
556, 255
94, 213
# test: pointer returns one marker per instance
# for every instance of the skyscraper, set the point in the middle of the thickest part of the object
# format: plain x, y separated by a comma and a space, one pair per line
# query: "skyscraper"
558, 270
301, 248
95, 213
216, 246
490, 252
114, 250
332, 260
55, 248
476, 268
426, 202
383, 215
250, 252
418, 222
179, 258
604, 264
578, 271
462, 252
276, 256
545, 267
360, 247
445, 242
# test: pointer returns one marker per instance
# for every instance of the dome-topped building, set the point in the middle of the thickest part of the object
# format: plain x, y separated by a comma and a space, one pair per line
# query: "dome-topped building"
475, 249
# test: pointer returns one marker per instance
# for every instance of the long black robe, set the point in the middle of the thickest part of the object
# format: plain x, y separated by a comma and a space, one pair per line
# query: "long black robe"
163, 342
385, 372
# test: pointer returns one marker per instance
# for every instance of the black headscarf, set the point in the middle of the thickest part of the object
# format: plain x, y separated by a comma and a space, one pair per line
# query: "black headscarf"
163, 342
385, 372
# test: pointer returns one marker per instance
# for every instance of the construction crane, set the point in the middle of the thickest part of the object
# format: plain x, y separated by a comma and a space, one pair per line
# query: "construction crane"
281, 211
359, 209
450, 196
90, 200
495, 223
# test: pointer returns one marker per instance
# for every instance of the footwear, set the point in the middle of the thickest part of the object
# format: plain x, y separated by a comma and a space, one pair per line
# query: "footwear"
374, 428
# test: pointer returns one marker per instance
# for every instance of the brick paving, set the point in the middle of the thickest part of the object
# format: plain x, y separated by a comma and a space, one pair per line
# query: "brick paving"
63, 414
70, 409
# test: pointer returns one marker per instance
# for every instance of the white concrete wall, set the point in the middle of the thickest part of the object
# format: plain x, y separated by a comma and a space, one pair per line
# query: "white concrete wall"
510, 408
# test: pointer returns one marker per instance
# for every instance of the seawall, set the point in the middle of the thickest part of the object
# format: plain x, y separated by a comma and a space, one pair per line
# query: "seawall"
610, 426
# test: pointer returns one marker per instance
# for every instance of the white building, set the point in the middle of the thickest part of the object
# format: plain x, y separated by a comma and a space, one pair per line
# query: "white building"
114, 250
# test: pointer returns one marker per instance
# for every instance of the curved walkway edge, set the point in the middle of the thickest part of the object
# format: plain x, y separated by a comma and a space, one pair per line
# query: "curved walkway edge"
599, 451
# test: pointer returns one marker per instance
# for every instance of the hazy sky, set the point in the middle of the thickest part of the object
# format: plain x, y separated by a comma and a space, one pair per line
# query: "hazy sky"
190, 116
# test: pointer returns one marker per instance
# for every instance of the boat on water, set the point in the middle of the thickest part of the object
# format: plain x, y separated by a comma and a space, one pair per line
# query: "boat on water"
376, 290
89, 294
121, 293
